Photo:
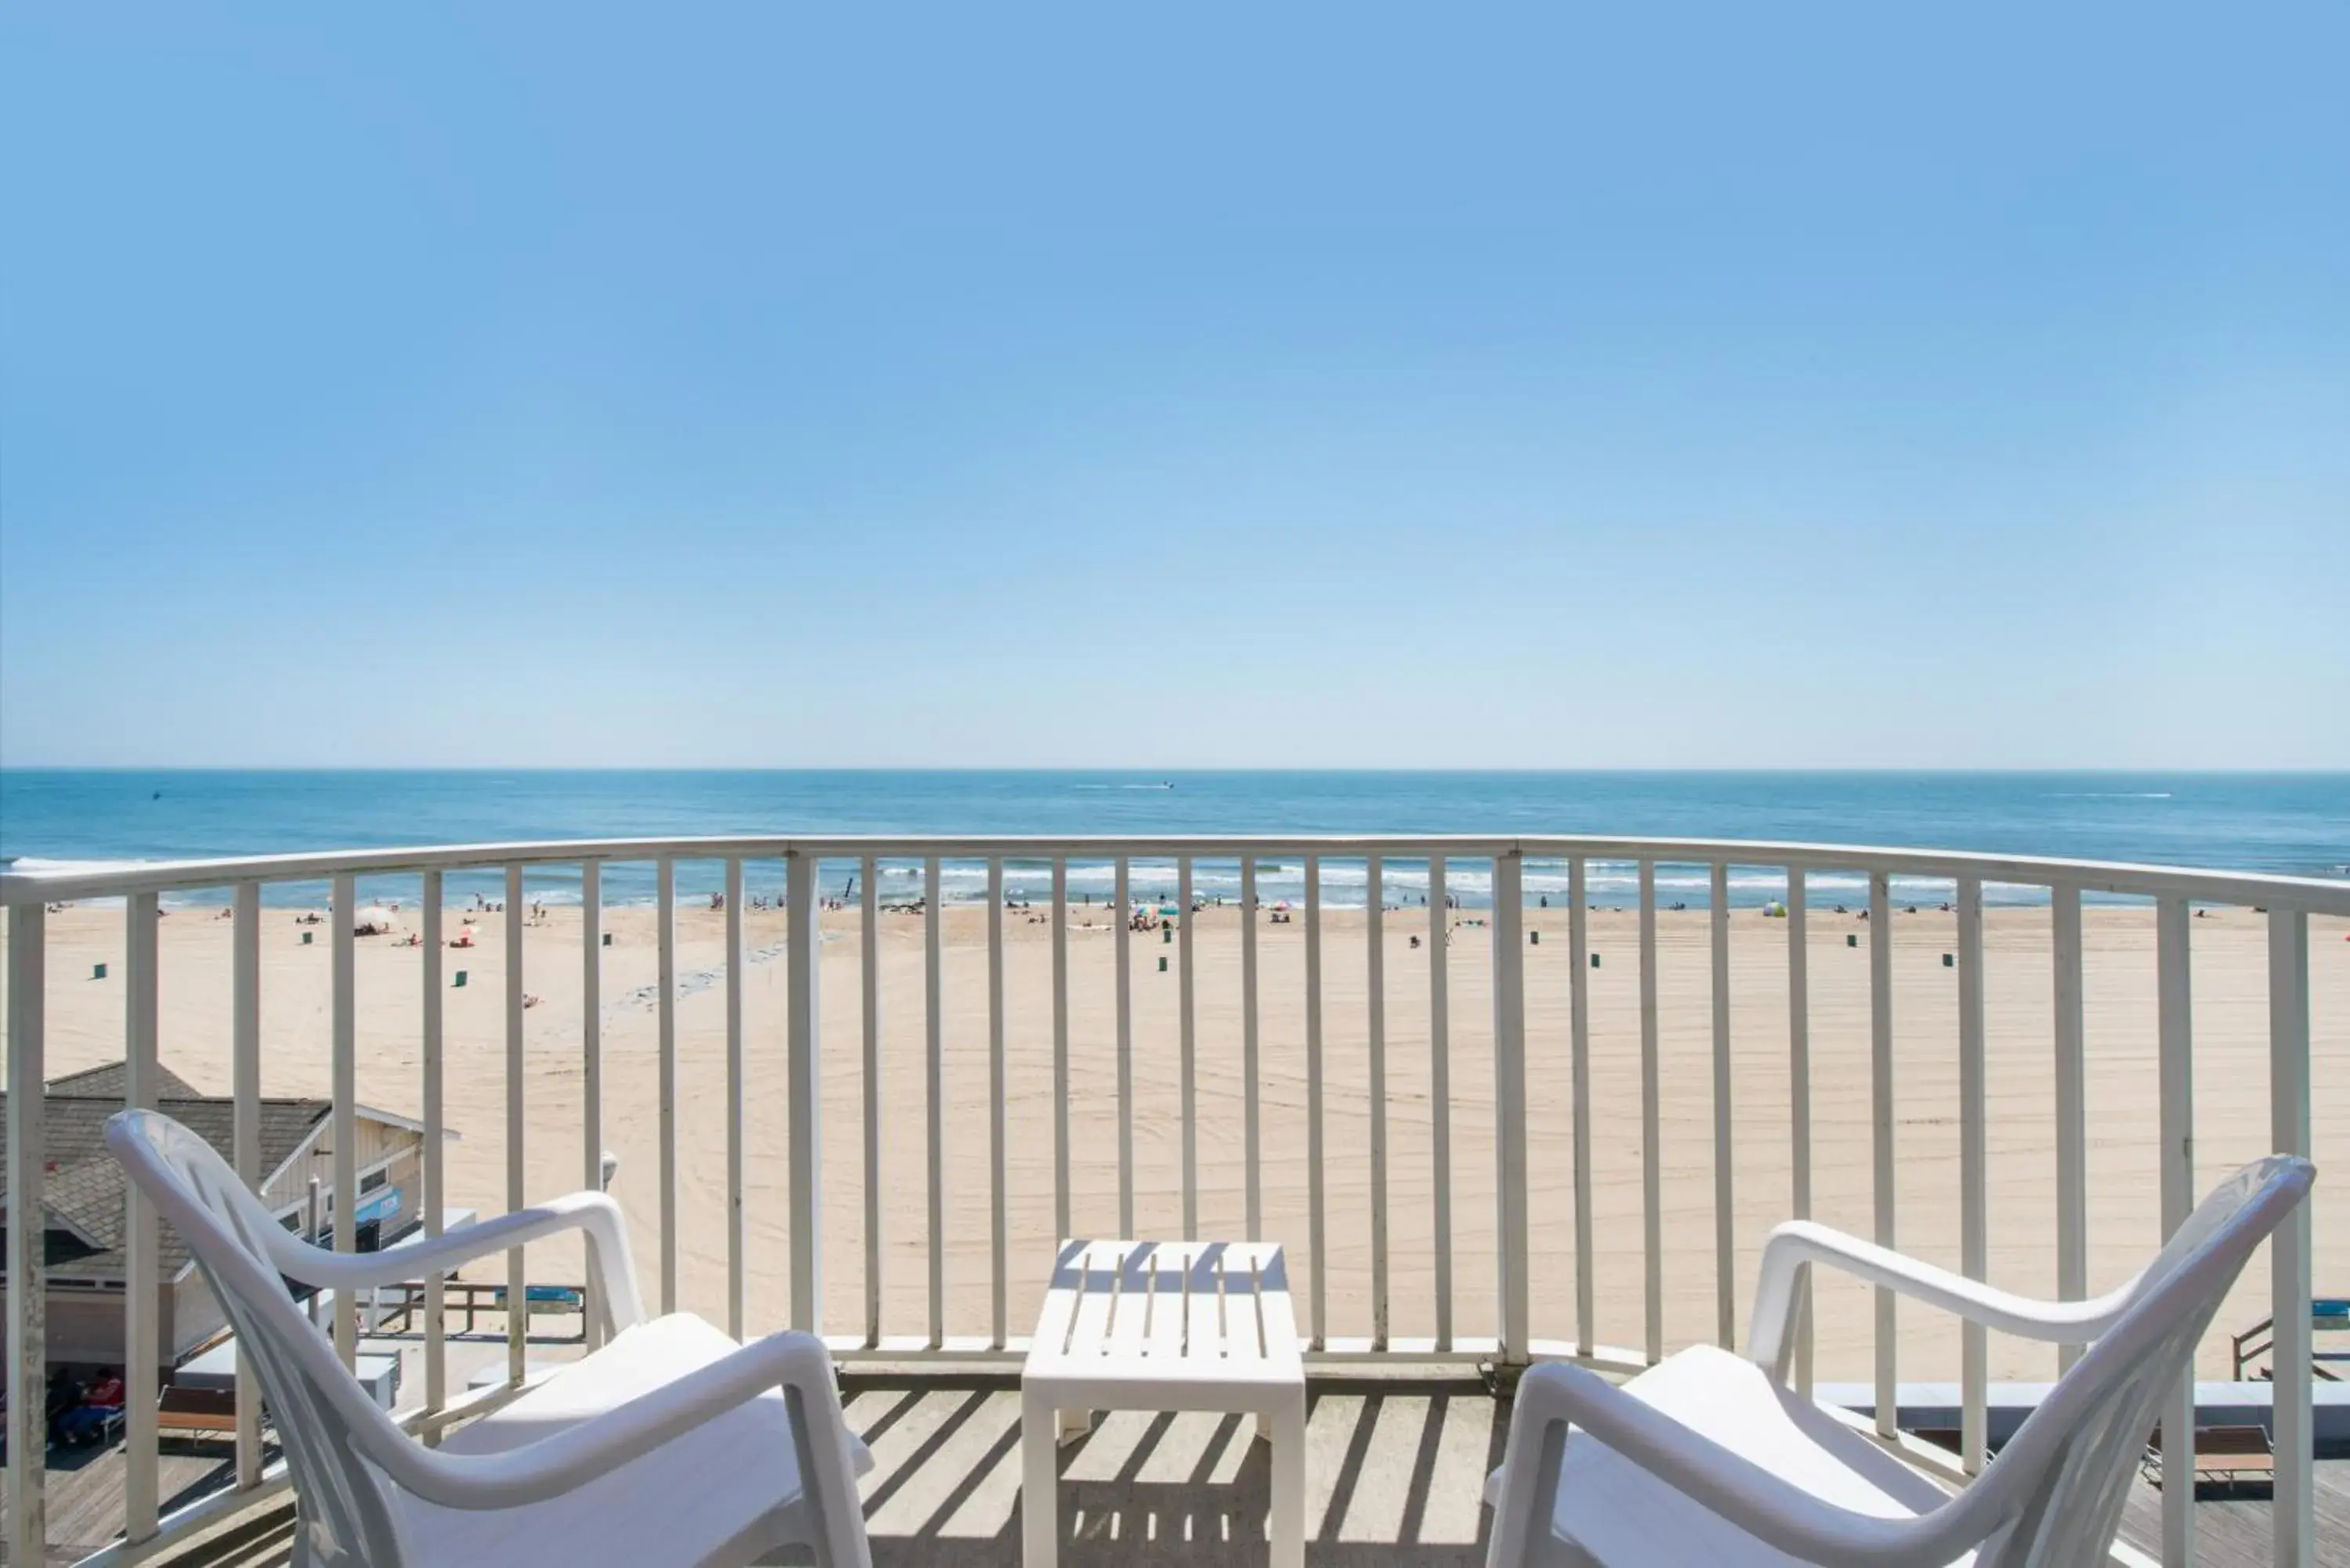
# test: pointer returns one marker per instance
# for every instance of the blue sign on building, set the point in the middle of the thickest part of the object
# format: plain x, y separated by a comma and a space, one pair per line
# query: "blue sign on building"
379, 1205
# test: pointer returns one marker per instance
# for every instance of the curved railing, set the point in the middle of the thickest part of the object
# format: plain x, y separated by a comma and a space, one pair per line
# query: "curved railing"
2309, 894
1495, 867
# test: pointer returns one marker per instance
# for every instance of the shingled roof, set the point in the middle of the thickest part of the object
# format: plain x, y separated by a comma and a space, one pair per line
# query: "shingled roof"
112, 1081
84, 1186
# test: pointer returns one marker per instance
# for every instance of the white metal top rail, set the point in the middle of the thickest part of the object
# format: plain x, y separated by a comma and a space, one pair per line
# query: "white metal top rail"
2313, 895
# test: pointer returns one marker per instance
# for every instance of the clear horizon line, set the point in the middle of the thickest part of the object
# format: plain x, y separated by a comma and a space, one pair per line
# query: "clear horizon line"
1172, 771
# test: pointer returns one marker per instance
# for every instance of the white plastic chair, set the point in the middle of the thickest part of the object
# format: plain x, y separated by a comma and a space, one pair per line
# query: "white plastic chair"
670, 1444
1708, 1458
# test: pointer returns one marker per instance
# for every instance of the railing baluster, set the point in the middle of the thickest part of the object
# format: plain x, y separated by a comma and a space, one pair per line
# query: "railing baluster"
1975, 1174
27, 1155
591, 1055
1121, 944
934, 1026
1252, 1154
1188, 1047
314, 1225
737, 1219
869, 871
999, 1214
517, 1132
1799, 1098
2294, 1520
1578, 945
1060, 1047
2071, 1110
2175, 1030
1439, 1089
1725, 1205
1375, 991
804, 1062
1652, 1189
344, 898
1883, 1173
434, 1195
141, 1325
245, 1090
665, 918
1316, 1232
1510, 1104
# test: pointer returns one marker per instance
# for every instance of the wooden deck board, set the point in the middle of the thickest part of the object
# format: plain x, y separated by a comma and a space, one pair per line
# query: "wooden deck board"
1394, 1473
2232, 1524
85, 1503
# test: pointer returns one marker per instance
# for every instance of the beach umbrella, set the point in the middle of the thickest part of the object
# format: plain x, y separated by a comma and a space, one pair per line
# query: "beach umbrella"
375, 917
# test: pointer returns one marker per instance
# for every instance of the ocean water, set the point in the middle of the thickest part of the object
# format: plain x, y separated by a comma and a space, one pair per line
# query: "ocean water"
2296, 823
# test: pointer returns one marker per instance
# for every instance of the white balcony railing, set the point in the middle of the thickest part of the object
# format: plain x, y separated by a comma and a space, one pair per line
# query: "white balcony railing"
1524, 1099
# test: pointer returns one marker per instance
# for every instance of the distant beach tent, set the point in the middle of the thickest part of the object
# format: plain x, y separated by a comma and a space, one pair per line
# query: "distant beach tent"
374, 920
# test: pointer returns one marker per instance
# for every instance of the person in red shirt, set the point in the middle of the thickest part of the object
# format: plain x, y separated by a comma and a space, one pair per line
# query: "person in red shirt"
87, 1422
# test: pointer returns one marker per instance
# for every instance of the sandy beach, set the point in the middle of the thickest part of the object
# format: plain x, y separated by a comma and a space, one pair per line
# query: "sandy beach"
85, 1023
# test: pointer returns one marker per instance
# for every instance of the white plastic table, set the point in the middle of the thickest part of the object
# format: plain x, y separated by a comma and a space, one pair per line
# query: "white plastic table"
1164, 1325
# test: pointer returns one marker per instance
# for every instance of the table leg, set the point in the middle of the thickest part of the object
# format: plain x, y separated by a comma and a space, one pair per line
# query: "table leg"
1040, 1511
1288, 1522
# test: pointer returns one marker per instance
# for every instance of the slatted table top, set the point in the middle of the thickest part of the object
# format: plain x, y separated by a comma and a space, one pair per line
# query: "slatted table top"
1212, 1316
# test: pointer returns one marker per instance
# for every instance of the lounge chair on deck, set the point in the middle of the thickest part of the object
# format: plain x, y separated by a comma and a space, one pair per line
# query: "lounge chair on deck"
671, 1446
197, 1413
2225, 1456
1709, 1458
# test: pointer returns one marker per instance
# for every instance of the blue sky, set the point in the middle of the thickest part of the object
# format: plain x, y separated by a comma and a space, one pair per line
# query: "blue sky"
1788, 386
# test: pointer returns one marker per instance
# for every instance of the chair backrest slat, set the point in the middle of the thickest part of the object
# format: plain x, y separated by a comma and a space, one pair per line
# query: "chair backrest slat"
345, 1514
2066, 1473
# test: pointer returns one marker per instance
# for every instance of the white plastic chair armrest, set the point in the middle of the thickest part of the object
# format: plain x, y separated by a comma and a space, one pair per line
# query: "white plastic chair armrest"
566, 1460
1745, 1494
1802, 1241
593, 1212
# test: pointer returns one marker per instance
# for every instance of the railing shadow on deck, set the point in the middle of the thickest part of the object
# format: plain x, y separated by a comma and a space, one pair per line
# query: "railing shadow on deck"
1395, 1476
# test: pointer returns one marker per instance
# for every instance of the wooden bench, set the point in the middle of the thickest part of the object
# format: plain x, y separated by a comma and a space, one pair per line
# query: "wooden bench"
210, 1413
2223, 1454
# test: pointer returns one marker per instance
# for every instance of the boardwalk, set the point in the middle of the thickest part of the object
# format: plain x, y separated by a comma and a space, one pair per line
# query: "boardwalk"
85, 1492
1394, 1474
